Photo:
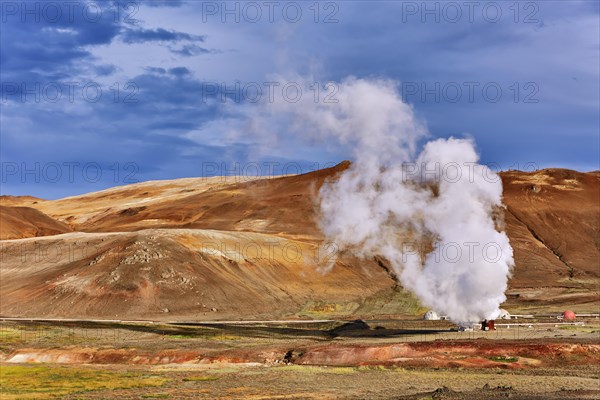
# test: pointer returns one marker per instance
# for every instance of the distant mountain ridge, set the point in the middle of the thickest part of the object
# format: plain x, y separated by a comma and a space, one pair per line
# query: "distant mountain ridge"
142, 249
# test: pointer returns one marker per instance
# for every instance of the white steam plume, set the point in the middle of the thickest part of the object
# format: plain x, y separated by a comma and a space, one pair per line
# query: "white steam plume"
390, 197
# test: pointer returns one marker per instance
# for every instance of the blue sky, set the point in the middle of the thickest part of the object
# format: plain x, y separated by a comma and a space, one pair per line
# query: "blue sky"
101, 94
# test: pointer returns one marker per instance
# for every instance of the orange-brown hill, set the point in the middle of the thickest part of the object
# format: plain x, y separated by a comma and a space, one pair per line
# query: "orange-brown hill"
267, 205
23, 222
249, 247
553, 222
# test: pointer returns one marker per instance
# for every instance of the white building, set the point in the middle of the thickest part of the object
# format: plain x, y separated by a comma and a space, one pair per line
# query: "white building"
431, 316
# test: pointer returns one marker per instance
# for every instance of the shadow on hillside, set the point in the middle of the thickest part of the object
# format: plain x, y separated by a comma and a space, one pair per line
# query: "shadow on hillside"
199, 330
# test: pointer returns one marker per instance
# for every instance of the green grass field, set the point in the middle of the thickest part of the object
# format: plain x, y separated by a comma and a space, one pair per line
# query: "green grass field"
52, 381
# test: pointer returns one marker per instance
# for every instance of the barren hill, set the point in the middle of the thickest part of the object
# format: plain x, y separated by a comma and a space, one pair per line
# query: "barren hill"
23, 222
239, 247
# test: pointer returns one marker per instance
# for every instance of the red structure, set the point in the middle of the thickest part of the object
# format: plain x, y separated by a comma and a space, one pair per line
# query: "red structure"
488, 325
569, 315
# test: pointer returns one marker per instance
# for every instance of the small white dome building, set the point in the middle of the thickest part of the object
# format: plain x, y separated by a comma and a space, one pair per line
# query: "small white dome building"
503, 314
431, 316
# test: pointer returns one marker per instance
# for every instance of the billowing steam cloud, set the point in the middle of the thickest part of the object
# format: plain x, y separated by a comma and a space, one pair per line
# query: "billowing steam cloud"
428, 214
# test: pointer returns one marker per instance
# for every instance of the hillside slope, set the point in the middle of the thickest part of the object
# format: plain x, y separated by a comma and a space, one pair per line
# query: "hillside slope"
249, 247
23, 222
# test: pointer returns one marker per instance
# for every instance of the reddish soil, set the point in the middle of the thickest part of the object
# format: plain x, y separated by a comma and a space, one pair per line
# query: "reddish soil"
467, 354
476, 354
